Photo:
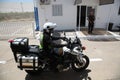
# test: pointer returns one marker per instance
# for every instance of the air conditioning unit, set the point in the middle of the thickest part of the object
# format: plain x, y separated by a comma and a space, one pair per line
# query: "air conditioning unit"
44, 2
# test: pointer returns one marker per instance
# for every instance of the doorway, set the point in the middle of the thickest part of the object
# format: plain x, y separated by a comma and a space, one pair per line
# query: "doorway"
78, 16
82, 14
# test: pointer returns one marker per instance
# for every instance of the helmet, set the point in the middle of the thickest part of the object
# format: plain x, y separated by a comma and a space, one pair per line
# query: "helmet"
49, 25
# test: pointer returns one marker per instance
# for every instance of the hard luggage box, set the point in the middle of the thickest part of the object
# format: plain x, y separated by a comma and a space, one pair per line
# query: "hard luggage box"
20, 45
28, 62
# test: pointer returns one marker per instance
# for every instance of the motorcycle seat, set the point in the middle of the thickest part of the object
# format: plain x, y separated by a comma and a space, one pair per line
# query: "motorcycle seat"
34, 49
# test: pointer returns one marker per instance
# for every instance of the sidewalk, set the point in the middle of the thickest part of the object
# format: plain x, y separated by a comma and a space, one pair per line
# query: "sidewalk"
100, 35
96, 31
97, 35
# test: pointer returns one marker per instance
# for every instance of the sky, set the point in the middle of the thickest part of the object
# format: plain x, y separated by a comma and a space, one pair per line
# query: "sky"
15, 5
16, 0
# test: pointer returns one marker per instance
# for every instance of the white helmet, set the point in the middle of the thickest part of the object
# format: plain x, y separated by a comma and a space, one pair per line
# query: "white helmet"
49, 25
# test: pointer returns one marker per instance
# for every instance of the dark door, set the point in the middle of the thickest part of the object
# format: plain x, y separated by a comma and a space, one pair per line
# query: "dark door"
78, 16
83, 16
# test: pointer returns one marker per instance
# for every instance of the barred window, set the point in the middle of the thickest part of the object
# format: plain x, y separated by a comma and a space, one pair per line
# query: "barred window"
57, 10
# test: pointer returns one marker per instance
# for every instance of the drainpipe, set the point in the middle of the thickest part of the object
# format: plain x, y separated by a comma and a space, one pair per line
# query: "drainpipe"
37, 28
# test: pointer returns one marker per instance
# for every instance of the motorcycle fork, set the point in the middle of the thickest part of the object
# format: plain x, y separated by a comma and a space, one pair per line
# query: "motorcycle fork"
80, 57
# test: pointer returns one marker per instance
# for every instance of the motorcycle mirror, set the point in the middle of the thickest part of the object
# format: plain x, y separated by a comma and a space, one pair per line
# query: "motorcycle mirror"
64, 33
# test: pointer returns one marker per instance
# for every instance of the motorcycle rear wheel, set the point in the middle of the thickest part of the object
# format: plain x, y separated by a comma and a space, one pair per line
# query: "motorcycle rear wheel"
77, 66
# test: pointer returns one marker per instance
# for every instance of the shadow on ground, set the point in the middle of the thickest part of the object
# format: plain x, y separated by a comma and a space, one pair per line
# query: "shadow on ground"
68, 75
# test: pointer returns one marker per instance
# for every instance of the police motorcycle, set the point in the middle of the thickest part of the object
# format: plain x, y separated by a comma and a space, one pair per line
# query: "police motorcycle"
33, 60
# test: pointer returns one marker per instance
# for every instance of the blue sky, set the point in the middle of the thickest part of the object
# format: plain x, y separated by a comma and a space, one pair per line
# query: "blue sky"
16, 0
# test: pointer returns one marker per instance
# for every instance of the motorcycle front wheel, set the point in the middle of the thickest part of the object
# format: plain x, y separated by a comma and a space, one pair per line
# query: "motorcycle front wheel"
77, 66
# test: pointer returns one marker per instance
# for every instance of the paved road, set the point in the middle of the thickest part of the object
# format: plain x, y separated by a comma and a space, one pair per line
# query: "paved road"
104, 65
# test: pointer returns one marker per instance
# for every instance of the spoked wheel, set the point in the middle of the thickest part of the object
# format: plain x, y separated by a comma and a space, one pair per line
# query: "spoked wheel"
79, 66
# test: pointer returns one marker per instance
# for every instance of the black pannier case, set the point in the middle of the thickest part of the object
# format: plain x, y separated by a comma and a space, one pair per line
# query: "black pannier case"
20, 45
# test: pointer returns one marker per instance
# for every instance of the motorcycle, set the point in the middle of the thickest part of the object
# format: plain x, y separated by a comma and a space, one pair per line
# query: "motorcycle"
34, 60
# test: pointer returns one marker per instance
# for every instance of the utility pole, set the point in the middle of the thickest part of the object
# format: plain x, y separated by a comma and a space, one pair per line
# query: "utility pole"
22, 7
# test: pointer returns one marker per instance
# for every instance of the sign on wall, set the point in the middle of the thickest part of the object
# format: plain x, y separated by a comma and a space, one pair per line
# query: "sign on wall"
77, 2
105, 2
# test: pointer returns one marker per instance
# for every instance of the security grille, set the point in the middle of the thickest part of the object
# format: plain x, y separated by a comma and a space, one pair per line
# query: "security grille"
57, 10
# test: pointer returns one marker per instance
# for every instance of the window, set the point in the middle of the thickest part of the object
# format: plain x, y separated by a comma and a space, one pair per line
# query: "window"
57, 10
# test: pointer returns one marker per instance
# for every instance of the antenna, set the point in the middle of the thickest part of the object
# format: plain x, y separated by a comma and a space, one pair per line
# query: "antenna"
21, 3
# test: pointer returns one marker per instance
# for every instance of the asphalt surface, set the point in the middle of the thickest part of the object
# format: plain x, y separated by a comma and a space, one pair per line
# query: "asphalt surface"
104, 64
104, 58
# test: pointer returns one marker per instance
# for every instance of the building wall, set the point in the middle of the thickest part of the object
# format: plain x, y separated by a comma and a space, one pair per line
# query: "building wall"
108, 13
68, 20
104, 13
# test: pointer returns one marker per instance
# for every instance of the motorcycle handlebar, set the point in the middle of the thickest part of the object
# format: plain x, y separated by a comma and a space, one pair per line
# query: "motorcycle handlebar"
66, 39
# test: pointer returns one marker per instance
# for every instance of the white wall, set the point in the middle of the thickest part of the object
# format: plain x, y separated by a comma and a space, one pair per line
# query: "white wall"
68, 20
104, 13
108, 13
115, 18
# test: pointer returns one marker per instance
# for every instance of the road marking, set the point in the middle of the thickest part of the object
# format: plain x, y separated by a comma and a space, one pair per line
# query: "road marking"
96, 59
2, 62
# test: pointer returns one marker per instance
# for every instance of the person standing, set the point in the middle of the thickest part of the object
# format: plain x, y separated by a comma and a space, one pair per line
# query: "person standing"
91, 19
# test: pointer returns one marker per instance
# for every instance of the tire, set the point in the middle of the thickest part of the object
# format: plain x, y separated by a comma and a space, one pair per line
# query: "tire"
77, 66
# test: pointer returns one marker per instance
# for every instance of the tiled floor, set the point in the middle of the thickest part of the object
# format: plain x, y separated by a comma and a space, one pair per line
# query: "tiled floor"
96, 31
97, 35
